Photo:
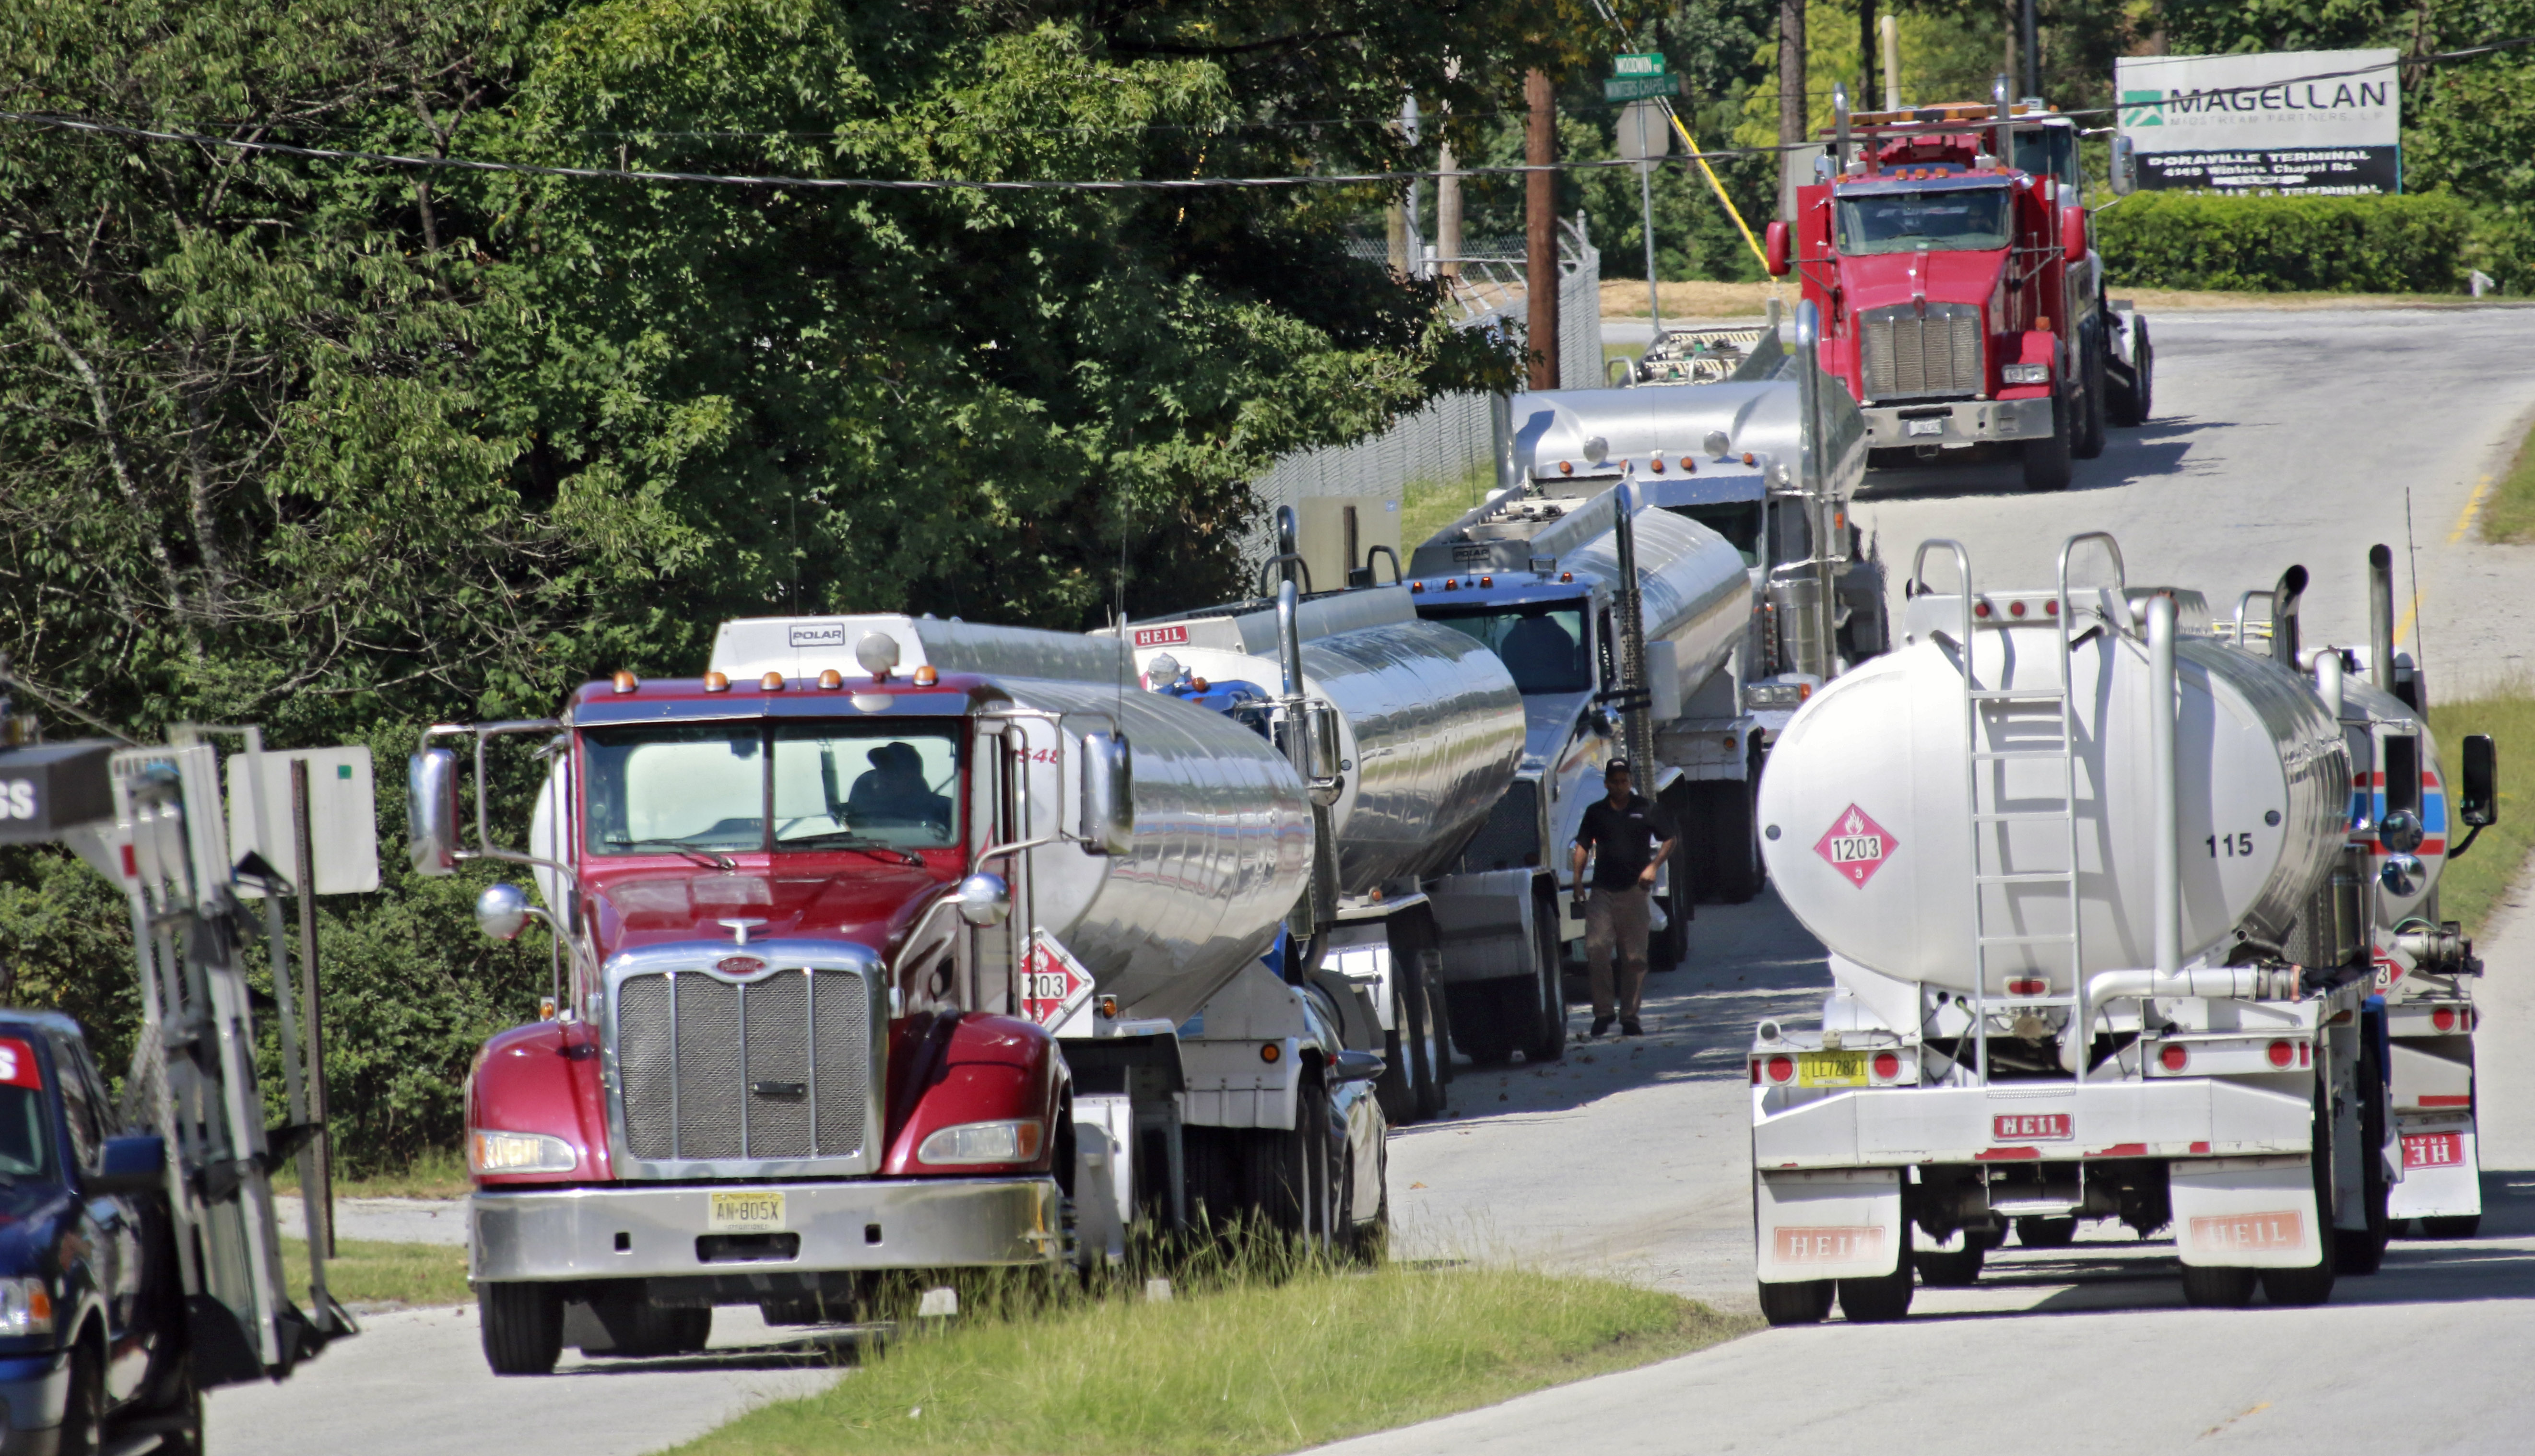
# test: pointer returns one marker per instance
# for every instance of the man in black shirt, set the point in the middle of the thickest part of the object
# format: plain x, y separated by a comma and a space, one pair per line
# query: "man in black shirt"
1629, 838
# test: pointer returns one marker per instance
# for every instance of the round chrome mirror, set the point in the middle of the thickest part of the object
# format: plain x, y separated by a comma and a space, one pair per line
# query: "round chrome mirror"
877, 654
2400, 832
1163, 672
985, 899
2403, 876
502, 911
1718, 445
1596, 449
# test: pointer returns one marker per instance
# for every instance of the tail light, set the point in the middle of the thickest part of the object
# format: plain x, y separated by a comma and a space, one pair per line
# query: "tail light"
1887, 1066
2443, 1018
1779, 1070
2173, 1057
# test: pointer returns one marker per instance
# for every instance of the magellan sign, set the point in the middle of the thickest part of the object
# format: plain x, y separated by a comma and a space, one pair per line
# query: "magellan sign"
2307, 121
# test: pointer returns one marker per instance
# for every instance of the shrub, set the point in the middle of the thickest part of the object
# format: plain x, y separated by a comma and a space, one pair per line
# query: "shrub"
2286, 244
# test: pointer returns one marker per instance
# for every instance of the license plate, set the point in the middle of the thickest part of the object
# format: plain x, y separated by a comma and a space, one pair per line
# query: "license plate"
1923, 427
1830, 1068
745, 1213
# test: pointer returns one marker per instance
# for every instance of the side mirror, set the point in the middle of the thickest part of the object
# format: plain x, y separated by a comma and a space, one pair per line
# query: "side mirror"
985, 899
2403, 876
2478, 804
1108, 795
2401, 831
1358, 1067
502, 911
137, 1164
431, 812
2072, 234
1779, 244
1321, 735
2125, 177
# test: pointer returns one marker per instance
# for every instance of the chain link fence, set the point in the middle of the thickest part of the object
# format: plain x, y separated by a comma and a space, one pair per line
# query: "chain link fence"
1452, 439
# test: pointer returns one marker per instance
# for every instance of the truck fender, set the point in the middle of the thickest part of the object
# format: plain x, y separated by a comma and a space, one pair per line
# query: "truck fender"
978, 1068
543, 1077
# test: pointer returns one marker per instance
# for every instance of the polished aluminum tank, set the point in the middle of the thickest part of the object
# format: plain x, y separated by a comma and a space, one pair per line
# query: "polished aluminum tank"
1866, 811
1693, 589
1556, 431
1223, 839
1430, 723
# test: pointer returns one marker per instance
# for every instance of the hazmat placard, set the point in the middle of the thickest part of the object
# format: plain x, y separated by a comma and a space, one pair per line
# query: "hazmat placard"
2316, 122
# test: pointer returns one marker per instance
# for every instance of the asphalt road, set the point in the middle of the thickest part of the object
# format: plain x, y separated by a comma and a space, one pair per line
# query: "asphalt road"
2280, 438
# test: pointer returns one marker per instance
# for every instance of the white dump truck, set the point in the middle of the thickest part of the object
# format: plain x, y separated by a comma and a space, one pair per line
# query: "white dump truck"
2106, 925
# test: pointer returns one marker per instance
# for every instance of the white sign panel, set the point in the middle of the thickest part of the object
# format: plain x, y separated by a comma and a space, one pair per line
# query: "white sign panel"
2306, 121
343, 817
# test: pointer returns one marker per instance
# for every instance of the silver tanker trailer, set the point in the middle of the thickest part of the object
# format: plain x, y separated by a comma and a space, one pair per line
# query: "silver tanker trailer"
2110, 934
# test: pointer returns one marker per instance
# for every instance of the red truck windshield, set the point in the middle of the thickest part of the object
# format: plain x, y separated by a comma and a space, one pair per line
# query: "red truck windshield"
706, 787
1955, 220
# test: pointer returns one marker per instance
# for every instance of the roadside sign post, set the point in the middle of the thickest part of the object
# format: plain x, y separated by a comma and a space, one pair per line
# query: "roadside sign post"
1645, 137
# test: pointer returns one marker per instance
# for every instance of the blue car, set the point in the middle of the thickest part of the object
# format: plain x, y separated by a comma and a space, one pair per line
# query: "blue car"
93, 1319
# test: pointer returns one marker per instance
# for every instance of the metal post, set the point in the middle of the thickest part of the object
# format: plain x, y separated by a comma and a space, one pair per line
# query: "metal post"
2161, 761
317, 1196
1541, 231
1647, 201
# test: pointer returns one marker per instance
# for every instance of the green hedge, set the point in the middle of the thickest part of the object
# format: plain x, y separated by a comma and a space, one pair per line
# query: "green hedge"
2286, 244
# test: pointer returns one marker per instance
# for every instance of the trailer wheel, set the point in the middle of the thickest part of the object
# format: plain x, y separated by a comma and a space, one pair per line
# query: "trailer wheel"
2129, 403
1730, 847
2363, 1251
2452, 1226
1804, 1301
1439, 1038
1548, 1040
2313, 1285
2208, 1286
2046, 1233
1956, 1270
1484, 1019
521, 1325
2046, 459
1878, 1300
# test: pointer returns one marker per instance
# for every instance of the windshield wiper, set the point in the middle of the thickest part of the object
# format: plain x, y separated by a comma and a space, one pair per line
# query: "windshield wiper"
712, 856
845, 840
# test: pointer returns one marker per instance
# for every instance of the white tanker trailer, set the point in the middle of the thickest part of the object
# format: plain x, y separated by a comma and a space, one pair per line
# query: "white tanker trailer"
2105, 935
1420, 731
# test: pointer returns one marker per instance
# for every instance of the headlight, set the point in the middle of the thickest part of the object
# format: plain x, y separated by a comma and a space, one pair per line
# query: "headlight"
981, 1143
25, 1307
2026, 374
517, 1152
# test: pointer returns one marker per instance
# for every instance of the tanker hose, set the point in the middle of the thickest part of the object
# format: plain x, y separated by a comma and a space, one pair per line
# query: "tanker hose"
2216, 983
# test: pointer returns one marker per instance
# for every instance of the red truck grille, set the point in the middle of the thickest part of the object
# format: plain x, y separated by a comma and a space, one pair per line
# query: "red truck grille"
773, 1069
1911, 357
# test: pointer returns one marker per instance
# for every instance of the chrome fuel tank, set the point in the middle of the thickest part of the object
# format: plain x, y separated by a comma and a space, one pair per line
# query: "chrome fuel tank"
1695, 590
1222, 838
1430, 723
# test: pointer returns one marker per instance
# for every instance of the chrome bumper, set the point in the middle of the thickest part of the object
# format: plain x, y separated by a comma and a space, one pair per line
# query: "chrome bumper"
1962, 422
650, 1233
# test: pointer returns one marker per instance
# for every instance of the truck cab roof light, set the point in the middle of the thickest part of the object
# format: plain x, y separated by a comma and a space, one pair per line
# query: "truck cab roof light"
626, 682
772, 682
717, 682
926, 675
1565, 467
831, 680
1417, 588
1567, 576
1655, 464
1750, 459
1487, 580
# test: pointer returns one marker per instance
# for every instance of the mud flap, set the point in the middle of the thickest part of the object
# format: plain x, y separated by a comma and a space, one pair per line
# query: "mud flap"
1843, 1223
2442, 1169
2246, 1213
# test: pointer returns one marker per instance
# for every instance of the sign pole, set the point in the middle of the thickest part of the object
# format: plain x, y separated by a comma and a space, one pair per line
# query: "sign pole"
318, 1196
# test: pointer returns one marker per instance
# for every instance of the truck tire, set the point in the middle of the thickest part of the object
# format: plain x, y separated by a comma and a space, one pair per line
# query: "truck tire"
2363, 1251
1290, 1174
1483, 1024
2313, 1285
1408, 1088
2451, 1225
2046, 459
1548, 1038
2046, 1233
1878, 1300
2208, 1287
521, 1325
2127, 403
1720, 842
83, 1428
2088, 441
1804, 1301
1956, 1270
1439, 1033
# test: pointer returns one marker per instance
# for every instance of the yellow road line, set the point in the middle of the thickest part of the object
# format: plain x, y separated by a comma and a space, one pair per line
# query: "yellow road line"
2403, 629
2473, 507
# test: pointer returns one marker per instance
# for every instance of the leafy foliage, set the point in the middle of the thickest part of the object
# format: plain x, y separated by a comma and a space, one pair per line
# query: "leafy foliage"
2331, 244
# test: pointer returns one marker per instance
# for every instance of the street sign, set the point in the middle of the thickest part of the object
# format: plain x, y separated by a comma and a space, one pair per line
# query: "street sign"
342, 818
1645, 132
1637, 87
46, 789
1638, 65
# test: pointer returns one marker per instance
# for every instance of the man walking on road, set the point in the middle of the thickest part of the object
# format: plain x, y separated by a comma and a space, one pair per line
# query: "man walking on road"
1630, 839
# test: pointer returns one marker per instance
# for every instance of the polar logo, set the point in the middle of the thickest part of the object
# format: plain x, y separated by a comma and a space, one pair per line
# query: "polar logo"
819, 635
18, 799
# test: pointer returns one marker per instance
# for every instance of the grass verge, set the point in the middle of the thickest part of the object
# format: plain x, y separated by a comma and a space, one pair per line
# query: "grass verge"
1253, 1367
1427, 506
368, 1273
2469, 888
438, 1174
2508, 515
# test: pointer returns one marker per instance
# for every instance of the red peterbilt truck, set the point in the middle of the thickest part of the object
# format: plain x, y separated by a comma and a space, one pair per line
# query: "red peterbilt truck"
821, 930
1948, 249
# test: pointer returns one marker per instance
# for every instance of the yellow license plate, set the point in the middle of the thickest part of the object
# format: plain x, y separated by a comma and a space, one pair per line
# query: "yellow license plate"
745, 1213
1830, 1068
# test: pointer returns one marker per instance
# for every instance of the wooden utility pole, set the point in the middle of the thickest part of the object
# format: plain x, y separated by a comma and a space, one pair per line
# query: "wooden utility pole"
1540, 228
1866, 28
1447, 215
1793, 119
